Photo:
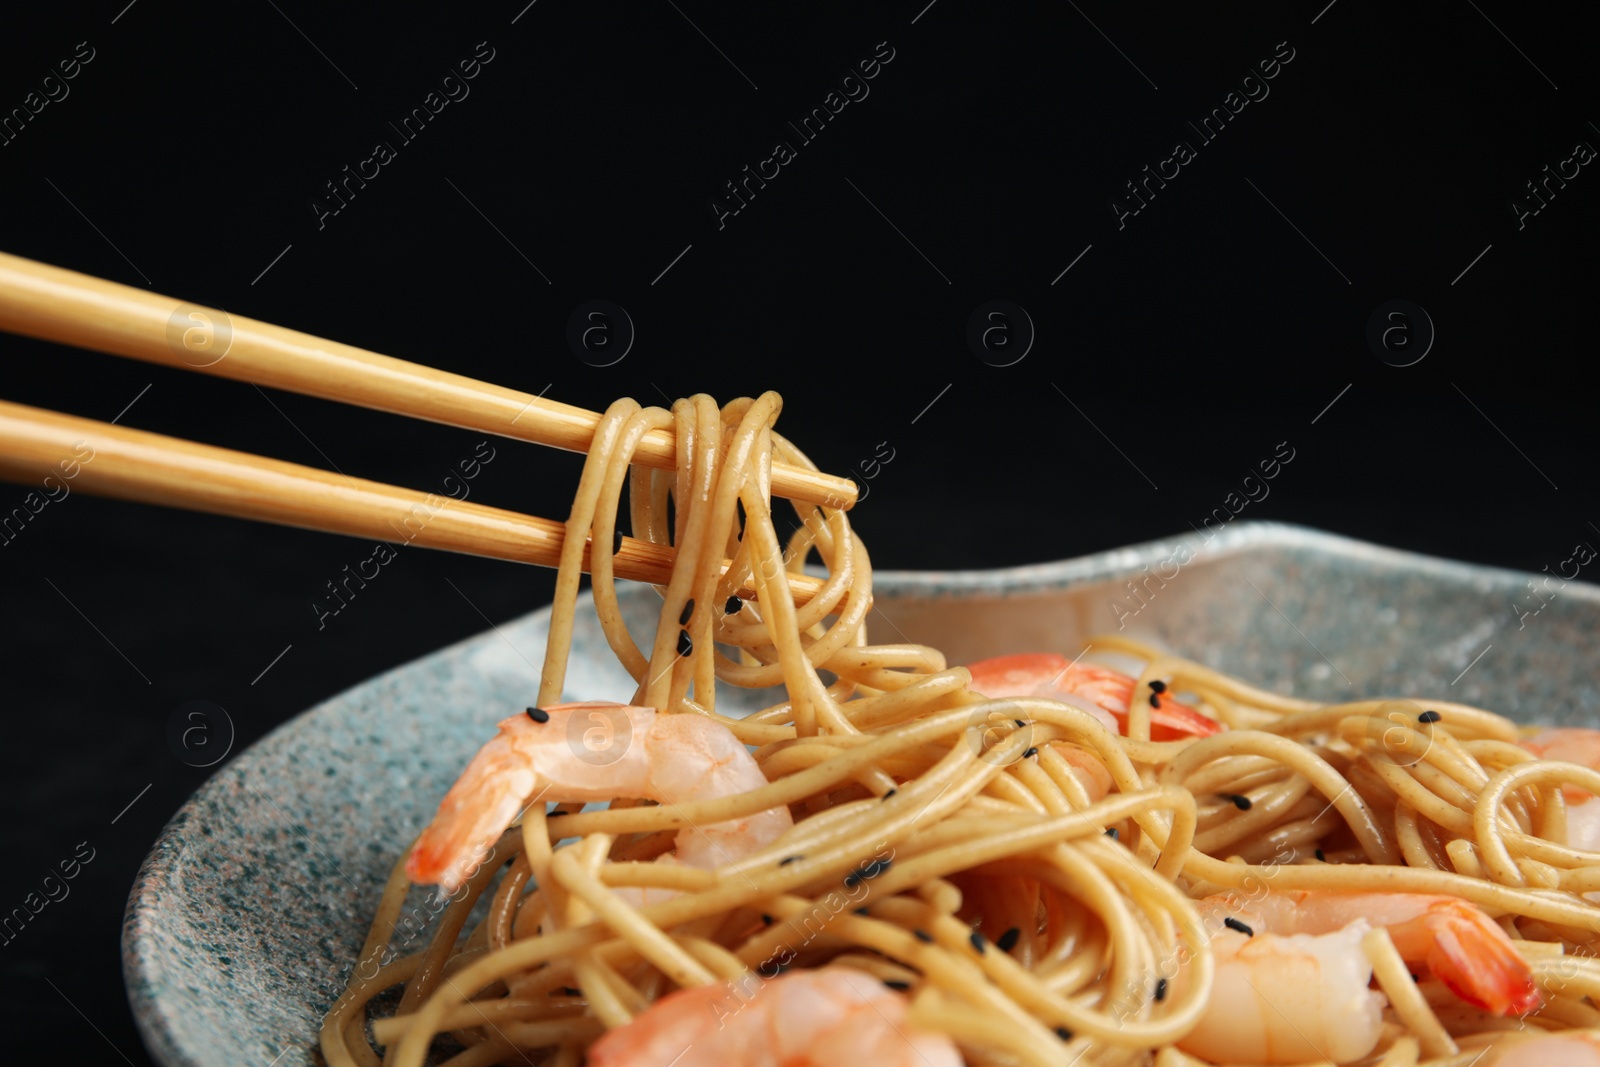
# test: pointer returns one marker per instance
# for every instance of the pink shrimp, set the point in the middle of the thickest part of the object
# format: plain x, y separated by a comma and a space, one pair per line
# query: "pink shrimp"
1292, 979
1579, 1048
596, 751
1580, 745
1004, 907
1570, 744
805, 1018
1107, 692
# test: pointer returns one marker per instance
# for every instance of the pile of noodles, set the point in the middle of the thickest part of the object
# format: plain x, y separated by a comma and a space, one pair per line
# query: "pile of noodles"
915, 799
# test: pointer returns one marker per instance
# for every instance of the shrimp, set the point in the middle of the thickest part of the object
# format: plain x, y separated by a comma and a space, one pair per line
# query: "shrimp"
1004, 907
1574, 744
1292, 980
1106, 692
1032, 675
1087, 768
805, 1018
596, 751
1580, 1048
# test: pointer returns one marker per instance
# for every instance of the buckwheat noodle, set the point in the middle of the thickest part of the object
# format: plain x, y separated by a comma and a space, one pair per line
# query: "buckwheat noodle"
917, 800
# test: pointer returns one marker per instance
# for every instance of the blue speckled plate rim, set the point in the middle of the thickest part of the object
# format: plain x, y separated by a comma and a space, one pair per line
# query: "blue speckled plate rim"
157, 871
1242, 536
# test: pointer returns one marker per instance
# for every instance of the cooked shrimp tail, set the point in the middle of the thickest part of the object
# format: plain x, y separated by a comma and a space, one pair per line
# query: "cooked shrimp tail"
595, 751
1292, 963
1470, 954
483, 802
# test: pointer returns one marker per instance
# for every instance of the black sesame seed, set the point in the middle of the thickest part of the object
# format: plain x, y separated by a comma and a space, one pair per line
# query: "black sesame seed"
566, 991
788, 860
1112, 833
1321, 857
688, 610
1008, 940
889, 794
1234, 924
538, 715
978, 942
1429, 716
863, 911
1063, 1033
1030, 753
616, 542
685, 646
869, 870
732, 606
1158, 686
1161, 989
1155, 700
922, 935
897, 985
1020, 723
1239, 800
767, 919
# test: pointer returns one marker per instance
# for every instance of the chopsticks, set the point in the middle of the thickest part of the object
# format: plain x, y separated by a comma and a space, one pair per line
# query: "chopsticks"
53, 304
115, 461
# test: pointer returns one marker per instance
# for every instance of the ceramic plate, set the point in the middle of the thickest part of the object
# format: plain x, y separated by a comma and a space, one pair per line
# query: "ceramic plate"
245, 918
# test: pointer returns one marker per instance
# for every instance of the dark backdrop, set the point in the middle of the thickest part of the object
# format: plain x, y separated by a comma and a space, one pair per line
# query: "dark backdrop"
1175, 346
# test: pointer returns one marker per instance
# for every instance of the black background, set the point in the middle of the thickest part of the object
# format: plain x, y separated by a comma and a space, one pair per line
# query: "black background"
1173, 356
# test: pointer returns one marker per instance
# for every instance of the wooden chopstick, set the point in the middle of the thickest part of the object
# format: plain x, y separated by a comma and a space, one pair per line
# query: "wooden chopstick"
114, 461
53, 304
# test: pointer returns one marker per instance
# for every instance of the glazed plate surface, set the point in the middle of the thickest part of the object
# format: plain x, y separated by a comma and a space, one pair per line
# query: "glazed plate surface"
244, 920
